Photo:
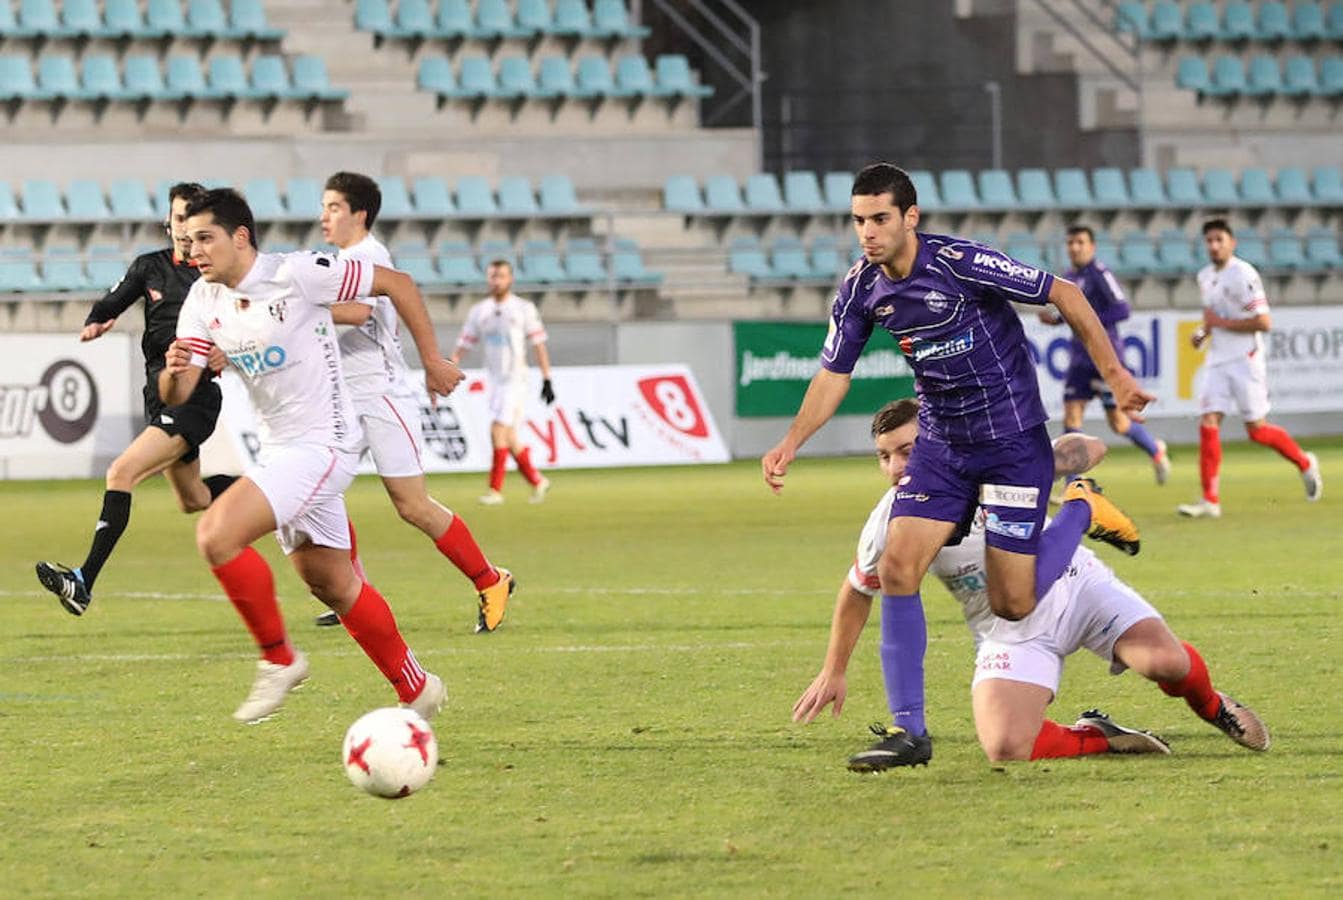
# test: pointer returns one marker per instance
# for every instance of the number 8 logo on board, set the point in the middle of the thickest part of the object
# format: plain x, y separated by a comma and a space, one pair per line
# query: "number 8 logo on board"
672, 399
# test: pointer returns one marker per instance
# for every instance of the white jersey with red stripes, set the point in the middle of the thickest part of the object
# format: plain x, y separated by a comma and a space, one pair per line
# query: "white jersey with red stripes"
502, 328
1234, 291
371, 353
276, 329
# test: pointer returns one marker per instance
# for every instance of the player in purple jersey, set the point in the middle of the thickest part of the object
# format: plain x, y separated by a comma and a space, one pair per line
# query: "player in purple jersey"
947, 302
1082, 382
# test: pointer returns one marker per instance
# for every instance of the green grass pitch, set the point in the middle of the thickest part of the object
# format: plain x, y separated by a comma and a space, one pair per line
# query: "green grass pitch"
626, 732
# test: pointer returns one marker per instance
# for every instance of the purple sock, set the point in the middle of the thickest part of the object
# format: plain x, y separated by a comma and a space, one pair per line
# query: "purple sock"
1068, 430
904, 639
1058, 542
1141, 438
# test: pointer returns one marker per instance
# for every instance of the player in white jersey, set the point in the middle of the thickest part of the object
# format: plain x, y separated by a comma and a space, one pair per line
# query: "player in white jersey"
504, 324
1235, 373
386, 405
270, 314
1018, 664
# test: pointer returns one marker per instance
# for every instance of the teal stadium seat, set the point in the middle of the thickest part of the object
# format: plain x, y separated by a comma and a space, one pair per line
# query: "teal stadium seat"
1264, 78
457, 264
838, 187
1228, 76
396, 204
572, 19
1109, 188
454, 20
81, 18
303, 198
1201, 23
1285, 251
435, 75
18, 273
263, 196
1275, 23
1328, 186
129, 200
475, 76
541, 263
802, 192
1331, 77
1165, 22
494, 19
958, 190
763, 195
633, 77
431, 197
1250, 247
414, 258
414, 19
165, 17
583, 262
516, 79
1023, 247
1073, 189
56, 77
247, 18
42, 201
1191, 74
1034, 189
142, 79
558, 197
534, 16
627, 264
1308, 21
1131, 18
475, 198
63, 270
593, 77
1219, 188
680, 193
722, 196
611, 19
555, 77
516, 198
374, 16
1238, 22
745, 257
826, 260
269, 77
99, 78
1146, 189
37, 18
1299, 78
122, 18
311, 79
1293, 188
84, 201
1183, 188
228, 78
9, 209
106, 265
674, 78
205, 18
925, 188
1175, 253
1322, 252
1137, 254
1256, 188
185, 78
1333, 22
788, 259
8, 25
996, 189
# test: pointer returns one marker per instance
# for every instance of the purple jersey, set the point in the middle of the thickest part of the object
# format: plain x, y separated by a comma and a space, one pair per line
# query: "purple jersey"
953, 320
1097, 283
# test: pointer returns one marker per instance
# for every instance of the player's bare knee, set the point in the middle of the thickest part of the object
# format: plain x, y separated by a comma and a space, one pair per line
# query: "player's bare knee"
413, 510
194, 502
120, 475
898, 575
213, 542
1005, 748
1012, 608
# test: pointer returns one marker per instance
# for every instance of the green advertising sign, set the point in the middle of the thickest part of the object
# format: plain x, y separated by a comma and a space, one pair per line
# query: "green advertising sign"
776, 361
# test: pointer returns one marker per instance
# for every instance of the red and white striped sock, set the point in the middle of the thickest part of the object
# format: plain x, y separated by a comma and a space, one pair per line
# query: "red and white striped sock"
371, 623
248, 582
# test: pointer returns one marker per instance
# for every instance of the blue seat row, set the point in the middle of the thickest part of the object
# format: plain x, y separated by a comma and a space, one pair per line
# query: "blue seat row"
245, 20
99, 77
788, 259
62, 268
495, 19
995, 190
1165, 21
583, 262
428, 197
1229, 77
555, 78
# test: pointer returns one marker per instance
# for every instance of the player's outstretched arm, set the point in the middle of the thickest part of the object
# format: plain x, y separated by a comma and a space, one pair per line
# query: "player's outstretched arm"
1077, 312
852, 608
180, 375
824, 394
440, 376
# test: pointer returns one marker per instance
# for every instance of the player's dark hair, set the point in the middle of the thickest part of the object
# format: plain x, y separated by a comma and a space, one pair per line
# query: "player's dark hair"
360, 191
1218, 225
894, 414
185, 189
229, 209
1075, 230
500, 261
884, 178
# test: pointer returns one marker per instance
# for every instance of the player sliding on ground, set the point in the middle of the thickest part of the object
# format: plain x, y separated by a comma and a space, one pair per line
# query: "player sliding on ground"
1018, 664
270, 315
948, 303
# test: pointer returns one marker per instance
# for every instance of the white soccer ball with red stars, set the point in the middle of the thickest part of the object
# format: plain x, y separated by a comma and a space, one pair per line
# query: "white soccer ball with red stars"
390, 752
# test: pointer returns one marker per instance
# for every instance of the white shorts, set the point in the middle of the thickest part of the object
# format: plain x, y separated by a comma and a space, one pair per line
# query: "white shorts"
392, 434
1238, 387
305, 486
1097, 609
507, 401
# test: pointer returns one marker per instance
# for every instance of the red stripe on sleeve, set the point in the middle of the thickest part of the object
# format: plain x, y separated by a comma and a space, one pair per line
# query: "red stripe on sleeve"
344, 282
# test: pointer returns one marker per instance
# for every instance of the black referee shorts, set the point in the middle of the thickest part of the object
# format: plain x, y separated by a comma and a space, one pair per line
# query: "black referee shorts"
193, 420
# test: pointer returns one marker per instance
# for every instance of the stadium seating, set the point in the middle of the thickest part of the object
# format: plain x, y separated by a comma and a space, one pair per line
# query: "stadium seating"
1238, 22
495, 20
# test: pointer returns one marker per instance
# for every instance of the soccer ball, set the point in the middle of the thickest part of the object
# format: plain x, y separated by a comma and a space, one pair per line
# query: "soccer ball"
390, 752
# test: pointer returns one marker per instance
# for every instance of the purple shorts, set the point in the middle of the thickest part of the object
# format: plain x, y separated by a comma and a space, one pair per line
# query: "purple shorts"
1083, 382
1009, 477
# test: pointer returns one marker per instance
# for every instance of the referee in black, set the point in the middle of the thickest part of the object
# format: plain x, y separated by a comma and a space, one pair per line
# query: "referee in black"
172, 437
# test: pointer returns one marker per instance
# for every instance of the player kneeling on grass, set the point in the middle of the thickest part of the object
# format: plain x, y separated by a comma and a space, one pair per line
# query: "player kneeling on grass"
270, 314
1018, 664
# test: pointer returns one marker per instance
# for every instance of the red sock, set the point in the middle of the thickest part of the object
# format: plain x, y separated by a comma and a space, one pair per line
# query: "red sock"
1196, 687
247, 580
370, 622
1280, 440
1209, 459
1054, 741
497, 468
354, 553
524, 460
458, 545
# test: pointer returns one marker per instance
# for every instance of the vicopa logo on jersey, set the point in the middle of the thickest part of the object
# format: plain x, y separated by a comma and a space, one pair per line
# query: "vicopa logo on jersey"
64, 402
671, 398
989, 261
259, 362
